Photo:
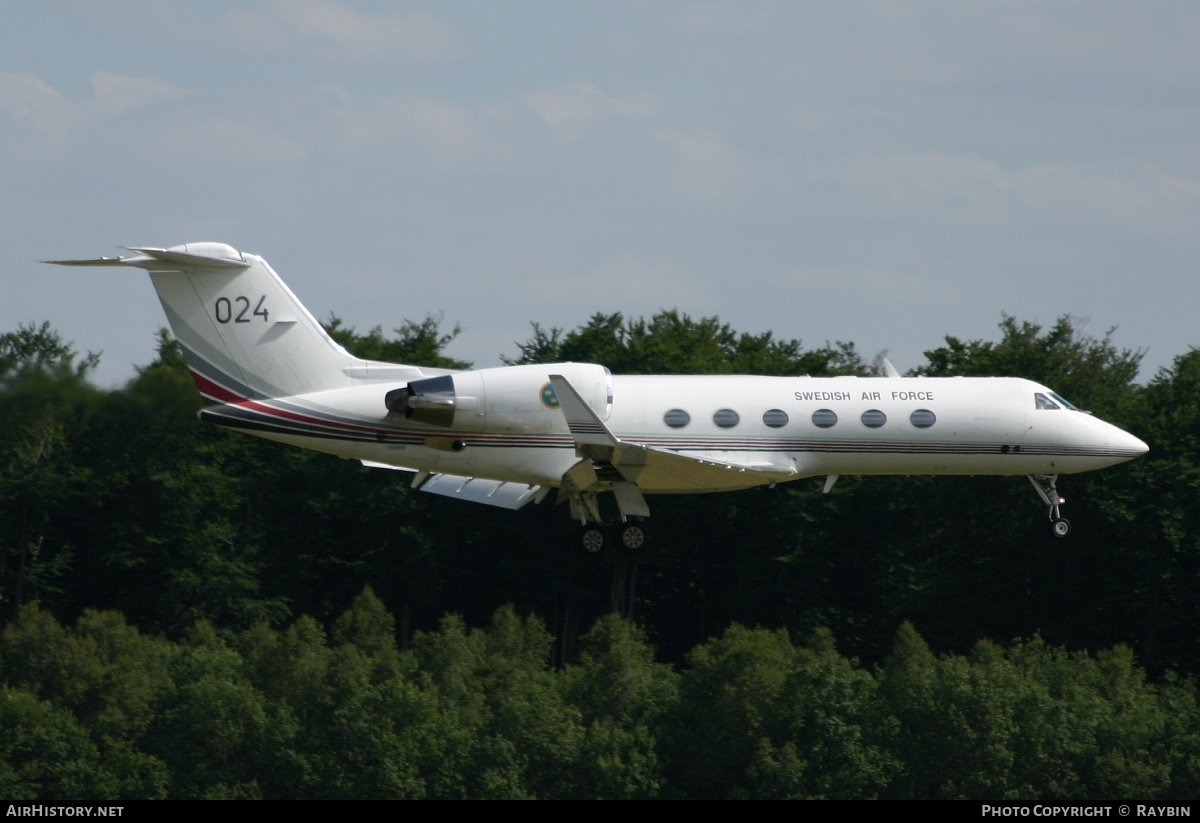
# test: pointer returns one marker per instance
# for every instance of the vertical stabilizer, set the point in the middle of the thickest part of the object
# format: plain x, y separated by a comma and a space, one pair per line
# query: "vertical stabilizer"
243, 332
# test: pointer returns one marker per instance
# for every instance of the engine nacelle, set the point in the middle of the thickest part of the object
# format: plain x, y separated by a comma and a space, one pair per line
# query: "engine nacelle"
509, 398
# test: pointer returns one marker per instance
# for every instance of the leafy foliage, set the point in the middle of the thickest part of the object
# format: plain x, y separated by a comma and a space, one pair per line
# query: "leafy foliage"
100, 710
416, 343
674, 343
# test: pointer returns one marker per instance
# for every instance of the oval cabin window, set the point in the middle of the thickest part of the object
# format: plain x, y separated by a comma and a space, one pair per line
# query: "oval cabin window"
824, 418
775, 418
677, 418
726, 418
873, 418
922, 418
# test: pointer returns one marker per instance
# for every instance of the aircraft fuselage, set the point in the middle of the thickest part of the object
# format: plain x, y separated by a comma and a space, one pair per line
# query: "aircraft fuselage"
808, 425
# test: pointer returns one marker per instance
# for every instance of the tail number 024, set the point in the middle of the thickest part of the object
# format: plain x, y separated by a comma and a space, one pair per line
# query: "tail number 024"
226, 311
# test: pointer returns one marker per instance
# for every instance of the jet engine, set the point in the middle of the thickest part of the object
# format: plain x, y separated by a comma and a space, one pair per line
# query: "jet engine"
509, 398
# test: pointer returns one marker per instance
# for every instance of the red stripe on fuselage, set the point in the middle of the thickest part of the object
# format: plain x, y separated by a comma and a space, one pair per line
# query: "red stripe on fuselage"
210, 389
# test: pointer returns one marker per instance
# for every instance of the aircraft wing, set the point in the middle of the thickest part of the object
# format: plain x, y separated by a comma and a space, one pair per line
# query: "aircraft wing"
651, 468
473, 489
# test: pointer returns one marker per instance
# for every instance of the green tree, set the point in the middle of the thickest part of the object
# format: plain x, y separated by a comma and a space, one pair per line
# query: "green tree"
417, 344
674, 343
44, 401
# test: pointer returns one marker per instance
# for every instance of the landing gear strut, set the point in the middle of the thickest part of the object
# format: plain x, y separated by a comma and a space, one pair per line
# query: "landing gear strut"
1044, 485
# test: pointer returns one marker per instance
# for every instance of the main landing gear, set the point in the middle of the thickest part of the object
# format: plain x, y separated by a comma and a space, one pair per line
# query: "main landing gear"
627, 538
1044, 485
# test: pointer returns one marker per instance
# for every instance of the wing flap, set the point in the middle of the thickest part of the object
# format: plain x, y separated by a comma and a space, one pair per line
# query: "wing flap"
497, 493
504, 495
659, 470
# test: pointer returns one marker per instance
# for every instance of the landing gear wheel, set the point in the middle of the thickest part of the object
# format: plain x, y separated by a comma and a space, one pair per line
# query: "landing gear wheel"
592, 540
1060, 527
631, 538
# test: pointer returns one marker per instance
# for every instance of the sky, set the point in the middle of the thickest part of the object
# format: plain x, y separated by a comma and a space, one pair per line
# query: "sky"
883, 173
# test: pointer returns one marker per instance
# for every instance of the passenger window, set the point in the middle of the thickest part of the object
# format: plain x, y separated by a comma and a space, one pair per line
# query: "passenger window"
873, 418
677, 418
922, 418
775, 418
1044, 402
726, 418
824, 418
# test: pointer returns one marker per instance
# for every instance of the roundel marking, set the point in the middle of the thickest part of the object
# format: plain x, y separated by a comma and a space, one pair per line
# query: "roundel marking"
549, 398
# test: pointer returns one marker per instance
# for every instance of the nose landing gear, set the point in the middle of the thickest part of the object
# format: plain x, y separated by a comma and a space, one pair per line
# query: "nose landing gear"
1044, 485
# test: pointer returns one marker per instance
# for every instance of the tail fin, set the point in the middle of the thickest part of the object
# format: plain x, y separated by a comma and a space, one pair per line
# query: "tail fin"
243, 332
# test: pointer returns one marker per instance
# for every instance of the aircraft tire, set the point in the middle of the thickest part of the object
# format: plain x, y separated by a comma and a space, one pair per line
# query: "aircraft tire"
1060, 527
592, 540
631, 539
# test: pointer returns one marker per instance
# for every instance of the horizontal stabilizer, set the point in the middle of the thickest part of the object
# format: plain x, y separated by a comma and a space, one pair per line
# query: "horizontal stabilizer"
200, 255
96, 261
209, 255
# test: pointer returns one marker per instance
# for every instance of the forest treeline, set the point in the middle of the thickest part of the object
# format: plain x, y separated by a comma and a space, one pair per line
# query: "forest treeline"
102, 711
125, 518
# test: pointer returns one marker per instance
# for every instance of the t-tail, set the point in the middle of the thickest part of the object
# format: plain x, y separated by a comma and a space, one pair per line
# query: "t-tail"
244, 334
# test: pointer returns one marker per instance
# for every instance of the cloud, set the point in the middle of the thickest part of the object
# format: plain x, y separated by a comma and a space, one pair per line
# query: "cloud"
966, 189
116, 94
579, 121
252, 128
323, 31
705, 167
849, 283
577, 103
402, 123
30, 106
964, 186
1113, 197
629, 283
39, 118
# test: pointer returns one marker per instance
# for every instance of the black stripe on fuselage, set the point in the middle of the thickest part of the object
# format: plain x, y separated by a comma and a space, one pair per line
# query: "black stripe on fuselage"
239, 417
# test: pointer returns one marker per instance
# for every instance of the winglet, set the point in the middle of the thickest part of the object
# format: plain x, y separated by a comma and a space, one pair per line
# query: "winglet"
586, 426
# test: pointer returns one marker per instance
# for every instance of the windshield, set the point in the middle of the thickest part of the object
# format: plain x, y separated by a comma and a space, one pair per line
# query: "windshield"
1052, 400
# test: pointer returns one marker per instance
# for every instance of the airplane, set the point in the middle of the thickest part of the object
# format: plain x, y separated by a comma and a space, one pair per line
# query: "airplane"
507, 436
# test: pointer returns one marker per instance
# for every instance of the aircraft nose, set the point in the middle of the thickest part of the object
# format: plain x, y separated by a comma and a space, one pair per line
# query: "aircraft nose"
1136, 445
1125, 445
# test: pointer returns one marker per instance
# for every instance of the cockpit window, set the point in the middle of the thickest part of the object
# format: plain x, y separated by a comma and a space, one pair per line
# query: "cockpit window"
1052, 400
1060, 400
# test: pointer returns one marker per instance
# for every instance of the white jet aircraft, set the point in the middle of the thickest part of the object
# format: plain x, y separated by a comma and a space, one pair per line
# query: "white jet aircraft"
507, 436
